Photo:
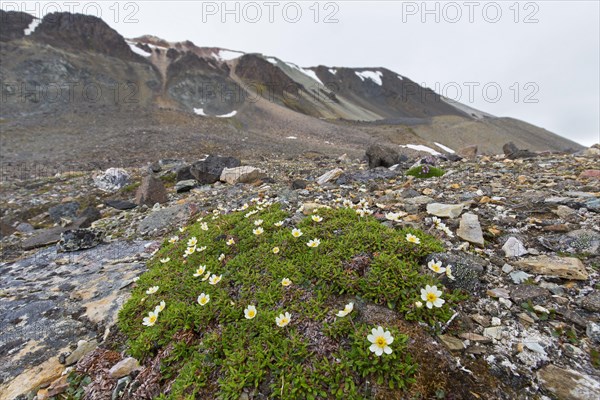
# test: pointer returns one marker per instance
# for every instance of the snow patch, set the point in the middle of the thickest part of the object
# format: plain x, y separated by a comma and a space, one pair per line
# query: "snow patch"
137, 50
447, 149
420, 147
375, 76
200, 111
228, 55
228, 115
332, 71
272, 60
400, 77
32, 26
292, 137
308, 72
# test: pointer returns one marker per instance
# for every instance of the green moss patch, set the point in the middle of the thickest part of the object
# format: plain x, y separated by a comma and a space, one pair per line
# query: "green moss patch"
425, 171
214, 351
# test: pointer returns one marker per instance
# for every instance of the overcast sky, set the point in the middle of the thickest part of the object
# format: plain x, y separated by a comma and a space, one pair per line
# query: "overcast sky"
537, 61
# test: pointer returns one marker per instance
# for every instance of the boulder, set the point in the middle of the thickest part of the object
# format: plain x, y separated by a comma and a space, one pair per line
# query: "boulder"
245, 174
512, 152
63, 210
591, 174
469, 152
209, 170
381, 156
151, 191
79, 239
563, 267
568, 384
185, 185
124, 367
513, 247
445, 210
112, 179
120, 204
470, 229
184, 173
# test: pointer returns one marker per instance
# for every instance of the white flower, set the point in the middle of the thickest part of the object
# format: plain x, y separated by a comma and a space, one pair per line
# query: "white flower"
189, 251
150, 319
296, 233
201, 249
380, 340
286, 282
230, 242
278, 223
283, 319
347, 310
275, 250
250, 213
165, 260
221, 257
392, 216
206, 276
449, 272
203, 299
436, 221
317, 218
204, 226
244, 207
214, 279
258, 231
160, 307
200, 271
174, 239
192, 242
412, 238
182, 229
447, 231
432, 296
258, 222
436, 266
250, 312
152, 290
418, 304
314, 243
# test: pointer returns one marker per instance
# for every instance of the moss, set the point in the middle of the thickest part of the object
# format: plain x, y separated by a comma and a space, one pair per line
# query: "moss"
317, 355
425, 171
131, 188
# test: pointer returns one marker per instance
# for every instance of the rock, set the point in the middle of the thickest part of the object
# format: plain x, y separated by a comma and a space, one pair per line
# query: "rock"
467, 270
592, 330
124, 367
452, 343
165, 219
474, 337
445, 210
591, 174
209, 170
121, 385
344, 159
24, 227
299, 184
112, 179
185, 186
512, 152
381, 156
366, 176
498, 293
581, 241
64, 210
79, 239
513, 247
493, 332
120, 204
519, 277
150, 192
245, 174
591, 302
183, 173
568, 384
83, 348
44, 237
535, 347
88, 216
329, 176
524, 293
469, 152
564, 211
470, 229
563, 267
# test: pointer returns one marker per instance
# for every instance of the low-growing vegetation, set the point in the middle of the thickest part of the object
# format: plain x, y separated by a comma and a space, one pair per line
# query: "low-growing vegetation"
262, 301
425, 171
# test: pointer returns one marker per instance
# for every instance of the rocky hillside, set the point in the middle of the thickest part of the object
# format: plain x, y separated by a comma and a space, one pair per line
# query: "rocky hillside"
113, 91
517, 234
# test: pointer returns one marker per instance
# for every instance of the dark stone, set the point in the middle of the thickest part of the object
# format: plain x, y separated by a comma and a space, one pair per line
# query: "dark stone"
209, 170
120, 204
533, 293
467, 270
185, 186
591, 302
381, 156
64, 210
299, 184
184, 174
89, 215
13, 24
512, 152
79, 239
366, 176
44, 237
151, 191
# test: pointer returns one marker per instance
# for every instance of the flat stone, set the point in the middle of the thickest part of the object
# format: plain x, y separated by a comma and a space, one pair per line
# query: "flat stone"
524, 293
524, 317
470, 229
592, 174
513, 247
245, 174
45, 237
452, 343
445, 210
185, 186
124, 368
79, 239
83, 348
330, 176
474, 337
493, 332
535, 347
498, 293
165, 219
592, 330
519, 277
563, 267
120, 204
568, 384
564, 211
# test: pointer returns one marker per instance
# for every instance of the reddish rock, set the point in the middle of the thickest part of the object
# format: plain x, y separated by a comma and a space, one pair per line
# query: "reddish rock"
151, 191
590, 174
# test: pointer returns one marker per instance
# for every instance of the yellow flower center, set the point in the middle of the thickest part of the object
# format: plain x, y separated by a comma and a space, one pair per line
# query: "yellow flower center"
380, 342
152, 319
431, 297
284, 321
251, 313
